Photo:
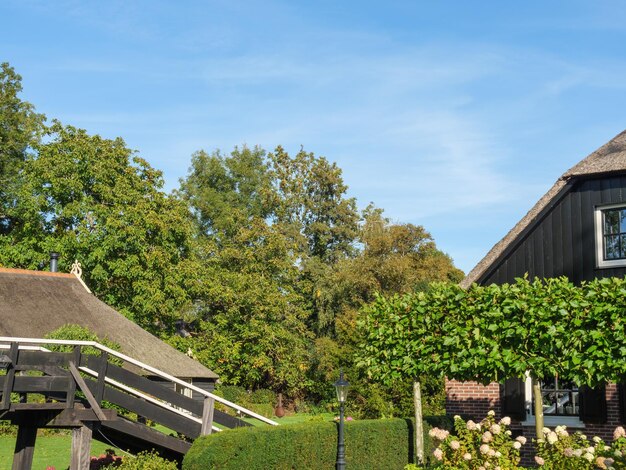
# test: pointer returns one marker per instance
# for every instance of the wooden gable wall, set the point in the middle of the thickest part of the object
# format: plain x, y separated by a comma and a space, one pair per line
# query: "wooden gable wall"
562, 241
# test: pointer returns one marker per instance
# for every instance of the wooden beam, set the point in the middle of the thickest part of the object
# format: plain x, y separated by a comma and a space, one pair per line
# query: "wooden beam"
102, 367
71, 389
24, 448
135, 431
207, 416
85, 389
81, 447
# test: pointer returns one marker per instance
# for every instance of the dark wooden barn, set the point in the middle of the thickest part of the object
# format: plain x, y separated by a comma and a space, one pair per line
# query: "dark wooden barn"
578, 230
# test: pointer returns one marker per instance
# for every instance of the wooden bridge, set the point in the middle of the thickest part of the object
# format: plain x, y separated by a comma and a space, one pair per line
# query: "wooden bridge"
96, 392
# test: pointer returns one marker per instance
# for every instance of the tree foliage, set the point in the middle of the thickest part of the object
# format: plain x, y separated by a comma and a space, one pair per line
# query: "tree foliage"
489, 333
91, 199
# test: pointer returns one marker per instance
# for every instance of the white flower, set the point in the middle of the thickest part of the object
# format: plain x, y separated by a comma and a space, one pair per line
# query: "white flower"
487, 436
498, 454
455, 445
484, 449
521, 439
506, 421
583, 437
491, 413
617, 453
438, 453
561, 431
539, 460
545, 431
552, 438
495, 429
596, 439
467, 456
517, 445
590, 450
491, 453
577, 452
508, 432
456, 417
588, 456
619, 432
471, 425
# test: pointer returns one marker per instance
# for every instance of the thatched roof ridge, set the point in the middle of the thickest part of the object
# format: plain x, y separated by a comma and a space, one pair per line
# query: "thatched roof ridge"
35, 303
609, 158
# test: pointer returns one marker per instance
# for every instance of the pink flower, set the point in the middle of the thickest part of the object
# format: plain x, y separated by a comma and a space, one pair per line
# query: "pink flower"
619, 432
539, 460
438, 453
349, 418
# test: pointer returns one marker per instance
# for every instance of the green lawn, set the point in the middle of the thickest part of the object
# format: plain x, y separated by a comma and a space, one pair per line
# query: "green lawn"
51, 450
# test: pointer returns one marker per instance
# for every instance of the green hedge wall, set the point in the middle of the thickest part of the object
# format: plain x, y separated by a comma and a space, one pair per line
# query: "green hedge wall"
370, 444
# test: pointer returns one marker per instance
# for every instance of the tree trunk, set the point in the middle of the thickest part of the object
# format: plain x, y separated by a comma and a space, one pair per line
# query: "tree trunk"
538, 408
419, 428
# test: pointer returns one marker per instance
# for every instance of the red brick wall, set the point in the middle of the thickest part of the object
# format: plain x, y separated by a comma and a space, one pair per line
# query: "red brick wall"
471, 399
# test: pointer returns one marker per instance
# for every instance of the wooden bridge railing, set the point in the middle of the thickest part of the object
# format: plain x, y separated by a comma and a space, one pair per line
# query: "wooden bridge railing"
103, 382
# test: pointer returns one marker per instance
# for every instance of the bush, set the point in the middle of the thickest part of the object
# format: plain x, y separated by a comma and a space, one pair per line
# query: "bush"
312, 445
143, 461
265, 396
487, 444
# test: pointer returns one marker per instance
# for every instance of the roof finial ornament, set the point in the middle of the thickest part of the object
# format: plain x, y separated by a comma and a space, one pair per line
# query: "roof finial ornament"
76, 270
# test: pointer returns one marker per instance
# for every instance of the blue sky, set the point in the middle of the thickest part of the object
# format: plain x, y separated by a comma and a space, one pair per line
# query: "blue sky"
454, 115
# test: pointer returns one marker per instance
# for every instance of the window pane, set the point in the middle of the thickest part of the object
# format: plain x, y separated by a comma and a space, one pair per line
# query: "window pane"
622, 220
611, 247
611, 221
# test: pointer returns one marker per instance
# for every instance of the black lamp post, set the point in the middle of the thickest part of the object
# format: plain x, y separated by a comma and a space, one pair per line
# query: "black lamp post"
342, 386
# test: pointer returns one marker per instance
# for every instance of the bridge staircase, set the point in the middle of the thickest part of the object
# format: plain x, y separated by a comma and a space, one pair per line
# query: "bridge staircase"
102, 394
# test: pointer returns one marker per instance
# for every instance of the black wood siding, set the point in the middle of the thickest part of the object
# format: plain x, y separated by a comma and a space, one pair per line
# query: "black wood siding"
562, 243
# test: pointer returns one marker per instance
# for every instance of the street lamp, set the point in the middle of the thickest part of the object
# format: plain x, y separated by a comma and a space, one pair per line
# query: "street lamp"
341, 386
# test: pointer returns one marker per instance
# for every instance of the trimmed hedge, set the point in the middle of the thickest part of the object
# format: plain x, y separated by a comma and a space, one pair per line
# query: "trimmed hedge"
380, 443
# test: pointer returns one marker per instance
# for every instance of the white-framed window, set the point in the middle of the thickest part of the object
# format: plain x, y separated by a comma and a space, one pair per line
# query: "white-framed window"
561, 403
610, 231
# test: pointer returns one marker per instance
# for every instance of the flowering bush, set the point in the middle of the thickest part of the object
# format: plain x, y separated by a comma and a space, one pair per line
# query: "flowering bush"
561, 450
479, 446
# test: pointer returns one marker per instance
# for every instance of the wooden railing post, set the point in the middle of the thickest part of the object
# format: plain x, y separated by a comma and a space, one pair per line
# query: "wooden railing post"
207, 416
9, 378
71, 389
103, 365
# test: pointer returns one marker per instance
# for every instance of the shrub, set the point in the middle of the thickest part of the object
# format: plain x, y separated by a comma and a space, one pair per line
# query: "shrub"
487, 444
143, 461
265, 396
312, 445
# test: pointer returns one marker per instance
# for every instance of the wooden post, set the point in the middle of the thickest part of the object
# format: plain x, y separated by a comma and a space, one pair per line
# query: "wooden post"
9, 378
71, 391
103, 365
207, 416
81, 447
24, 448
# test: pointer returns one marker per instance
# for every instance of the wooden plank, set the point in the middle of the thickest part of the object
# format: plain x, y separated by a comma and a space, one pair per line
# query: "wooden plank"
147, 386
151, 411
229, 421
567, 250
27, 384
578, 263
207, 416
81, 447
31, 359
24, 448
9, 378
85, 389
132, 432
71, 389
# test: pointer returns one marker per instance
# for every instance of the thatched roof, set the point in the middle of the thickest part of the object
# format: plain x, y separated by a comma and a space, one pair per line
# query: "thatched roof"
610, 158
34, 303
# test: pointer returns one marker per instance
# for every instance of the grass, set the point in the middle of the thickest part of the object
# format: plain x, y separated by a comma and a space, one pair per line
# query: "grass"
51, 450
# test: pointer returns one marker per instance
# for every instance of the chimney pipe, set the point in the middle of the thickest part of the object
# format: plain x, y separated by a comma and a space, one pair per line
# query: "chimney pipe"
54, 262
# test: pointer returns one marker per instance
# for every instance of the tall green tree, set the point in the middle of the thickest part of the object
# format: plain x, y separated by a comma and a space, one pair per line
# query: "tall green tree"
93, 200
20, 129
